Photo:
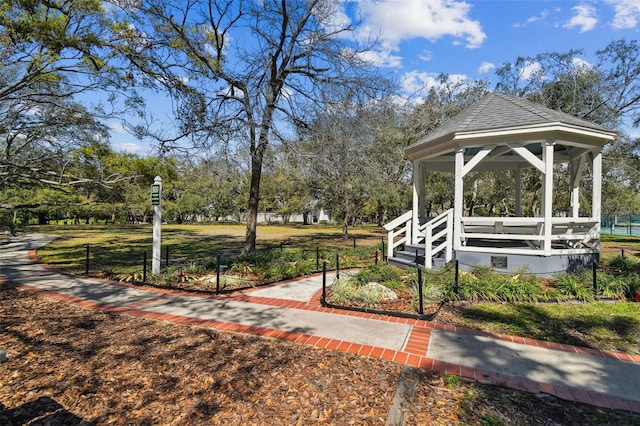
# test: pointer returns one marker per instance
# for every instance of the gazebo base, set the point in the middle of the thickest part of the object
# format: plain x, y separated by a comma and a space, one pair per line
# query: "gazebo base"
543, 266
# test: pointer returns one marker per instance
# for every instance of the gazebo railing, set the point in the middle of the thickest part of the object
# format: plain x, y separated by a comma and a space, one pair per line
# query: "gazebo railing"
567, 236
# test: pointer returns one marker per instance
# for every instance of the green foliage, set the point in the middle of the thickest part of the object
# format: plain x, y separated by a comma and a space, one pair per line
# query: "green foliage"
382, 273
611, 286
451, 380
576, 285
133, 277
347, 291
633, 286
343, 291
621, 264
243, 267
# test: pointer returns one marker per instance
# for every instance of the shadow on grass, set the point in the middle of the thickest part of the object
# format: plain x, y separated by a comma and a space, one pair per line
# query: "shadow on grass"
579, 329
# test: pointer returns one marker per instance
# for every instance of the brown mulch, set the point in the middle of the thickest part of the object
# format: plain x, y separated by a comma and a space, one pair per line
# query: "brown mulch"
70, 366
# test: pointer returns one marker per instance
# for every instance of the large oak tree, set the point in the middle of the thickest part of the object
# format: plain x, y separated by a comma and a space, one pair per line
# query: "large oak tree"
242, 72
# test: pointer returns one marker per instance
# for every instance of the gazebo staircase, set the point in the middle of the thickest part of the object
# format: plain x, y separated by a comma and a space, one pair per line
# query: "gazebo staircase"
426, 244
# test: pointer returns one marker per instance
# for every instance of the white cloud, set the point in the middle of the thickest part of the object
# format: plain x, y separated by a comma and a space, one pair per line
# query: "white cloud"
129, 147
485, 67
425, 55
117, 127
529, 69
416, 82
541, 17
382, 58
580, 63
627, 13
585, 18
396, 21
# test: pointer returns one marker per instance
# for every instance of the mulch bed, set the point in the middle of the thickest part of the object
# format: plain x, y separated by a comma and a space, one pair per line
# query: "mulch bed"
71, 366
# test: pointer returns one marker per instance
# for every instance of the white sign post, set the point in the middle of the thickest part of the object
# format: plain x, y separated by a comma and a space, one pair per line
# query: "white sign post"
156, 196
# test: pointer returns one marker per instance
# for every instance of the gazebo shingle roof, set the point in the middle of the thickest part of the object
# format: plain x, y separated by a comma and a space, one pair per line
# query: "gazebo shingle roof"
500, 111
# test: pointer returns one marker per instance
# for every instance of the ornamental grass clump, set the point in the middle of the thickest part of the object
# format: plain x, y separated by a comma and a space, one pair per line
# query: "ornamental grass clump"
349, 291
575, 285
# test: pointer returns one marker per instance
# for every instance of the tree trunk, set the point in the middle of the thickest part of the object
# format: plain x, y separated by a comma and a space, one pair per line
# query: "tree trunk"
254, 198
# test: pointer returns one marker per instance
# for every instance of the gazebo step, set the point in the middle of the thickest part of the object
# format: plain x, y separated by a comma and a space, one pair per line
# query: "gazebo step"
406, 262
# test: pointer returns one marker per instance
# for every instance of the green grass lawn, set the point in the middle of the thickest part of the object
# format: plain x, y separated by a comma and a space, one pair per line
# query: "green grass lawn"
604, 325
119, 248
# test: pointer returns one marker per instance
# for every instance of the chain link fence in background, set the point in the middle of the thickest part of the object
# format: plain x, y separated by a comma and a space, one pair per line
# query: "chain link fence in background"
621, 225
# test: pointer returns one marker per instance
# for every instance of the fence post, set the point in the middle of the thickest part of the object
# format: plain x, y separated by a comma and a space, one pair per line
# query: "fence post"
324, 283
317, 258
594, 268
421, 306
86, 260
167, 258
376, 257
337, 266
281, 246
457, 278
218, 273
144, 266
622, 254
383, 252
354, 242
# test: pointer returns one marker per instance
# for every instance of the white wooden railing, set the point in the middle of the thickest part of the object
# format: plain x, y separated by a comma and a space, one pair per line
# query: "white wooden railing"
576, 235
426, 233
399, 232
568, 235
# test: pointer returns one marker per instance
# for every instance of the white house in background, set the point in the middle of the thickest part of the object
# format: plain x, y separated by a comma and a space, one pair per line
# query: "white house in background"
316, 216
497, 134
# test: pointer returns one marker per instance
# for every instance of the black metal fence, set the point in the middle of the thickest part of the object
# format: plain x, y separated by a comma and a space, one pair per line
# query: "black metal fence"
283, 261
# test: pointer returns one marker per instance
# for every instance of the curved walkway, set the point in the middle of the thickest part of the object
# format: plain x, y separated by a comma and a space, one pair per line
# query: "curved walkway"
291, 311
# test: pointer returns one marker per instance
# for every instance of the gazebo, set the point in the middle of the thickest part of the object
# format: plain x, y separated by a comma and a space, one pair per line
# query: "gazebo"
505, 135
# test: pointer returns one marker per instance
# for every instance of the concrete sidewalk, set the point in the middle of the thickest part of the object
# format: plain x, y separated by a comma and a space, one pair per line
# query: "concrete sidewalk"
291, 311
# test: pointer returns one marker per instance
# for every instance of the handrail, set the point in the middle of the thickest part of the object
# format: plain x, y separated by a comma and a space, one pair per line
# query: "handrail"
400, 220
429, 237
400, 232
403, 221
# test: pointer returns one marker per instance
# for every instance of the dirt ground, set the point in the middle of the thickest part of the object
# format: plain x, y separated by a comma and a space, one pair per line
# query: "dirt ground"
71, 366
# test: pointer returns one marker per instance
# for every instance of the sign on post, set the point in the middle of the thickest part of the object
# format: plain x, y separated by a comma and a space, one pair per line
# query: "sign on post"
156, 195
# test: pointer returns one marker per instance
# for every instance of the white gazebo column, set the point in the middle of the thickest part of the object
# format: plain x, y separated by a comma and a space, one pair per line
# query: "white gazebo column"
518, 189
596, 206
547, 193
577, 169
417, 207
458, 199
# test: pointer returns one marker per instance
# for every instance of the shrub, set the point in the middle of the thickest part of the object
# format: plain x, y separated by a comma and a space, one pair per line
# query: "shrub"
622, 264
609, 285
577, 285
633, 286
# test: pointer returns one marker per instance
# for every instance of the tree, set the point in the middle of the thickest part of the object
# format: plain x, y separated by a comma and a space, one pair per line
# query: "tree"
50, 52
243, 71
354, 151
606, 93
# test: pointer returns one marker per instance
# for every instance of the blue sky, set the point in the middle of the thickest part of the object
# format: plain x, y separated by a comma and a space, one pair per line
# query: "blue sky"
468, 39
